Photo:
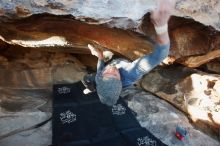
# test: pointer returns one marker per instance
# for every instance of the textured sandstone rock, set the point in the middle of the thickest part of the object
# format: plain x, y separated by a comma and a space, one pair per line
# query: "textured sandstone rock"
188, 38
161, 119
46, 31
25, 68
202, 59
193, 92
192, 44
202, 95
206, 11
213, 66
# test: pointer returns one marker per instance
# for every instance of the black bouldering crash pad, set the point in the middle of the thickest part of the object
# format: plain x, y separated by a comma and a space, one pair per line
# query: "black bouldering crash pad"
82, 120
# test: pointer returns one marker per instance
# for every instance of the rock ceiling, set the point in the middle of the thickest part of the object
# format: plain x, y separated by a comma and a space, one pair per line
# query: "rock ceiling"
206, 11
192, 43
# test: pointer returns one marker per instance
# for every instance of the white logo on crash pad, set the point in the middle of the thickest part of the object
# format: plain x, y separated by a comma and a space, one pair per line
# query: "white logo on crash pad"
146, 141
63, 90
118, 109
67, 117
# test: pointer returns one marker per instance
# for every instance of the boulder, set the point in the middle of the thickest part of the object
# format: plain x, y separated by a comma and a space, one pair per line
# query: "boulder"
194, 92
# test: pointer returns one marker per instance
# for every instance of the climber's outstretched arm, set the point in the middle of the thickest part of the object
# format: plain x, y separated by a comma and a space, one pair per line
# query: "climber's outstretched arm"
159, 18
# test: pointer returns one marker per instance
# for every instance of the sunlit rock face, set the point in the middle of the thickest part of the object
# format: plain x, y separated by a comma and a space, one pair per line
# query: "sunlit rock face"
202, 95
192, 91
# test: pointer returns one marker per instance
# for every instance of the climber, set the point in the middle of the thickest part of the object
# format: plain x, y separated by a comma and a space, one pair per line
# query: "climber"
120, 73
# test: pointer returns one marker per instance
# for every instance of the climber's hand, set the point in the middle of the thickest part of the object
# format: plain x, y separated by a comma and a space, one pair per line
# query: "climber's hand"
161, 15
96, 52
